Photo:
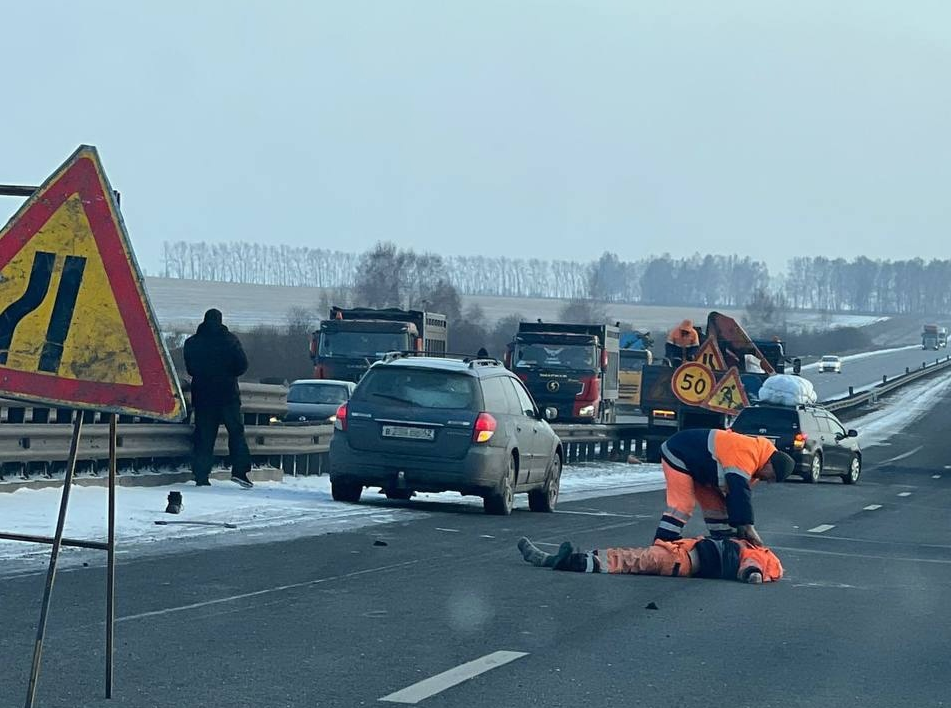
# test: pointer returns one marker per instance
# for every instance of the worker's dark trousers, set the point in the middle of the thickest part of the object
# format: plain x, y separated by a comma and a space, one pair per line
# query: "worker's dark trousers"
207, 421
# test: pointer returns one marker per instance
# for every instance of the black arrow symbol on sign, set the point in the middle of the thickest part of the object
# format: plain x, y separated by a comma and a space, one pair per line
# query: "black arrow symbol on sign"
63, 307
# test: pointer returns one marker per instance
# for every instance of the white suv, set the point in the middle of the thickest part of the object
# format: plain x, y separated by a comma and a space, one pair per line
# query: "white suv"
830, 363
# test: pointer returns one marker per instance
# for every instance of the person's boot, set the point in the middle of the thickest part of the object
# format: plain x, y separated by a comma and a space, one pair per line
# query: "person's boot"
568, 559
203, 482
174, 503
241, 478
534, 555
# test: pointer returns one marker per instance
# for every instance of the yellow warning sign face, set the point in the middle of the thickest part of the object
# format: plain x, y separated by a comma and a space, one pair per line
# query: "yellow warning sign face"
728, 395
76, 329
710, 355
692, 383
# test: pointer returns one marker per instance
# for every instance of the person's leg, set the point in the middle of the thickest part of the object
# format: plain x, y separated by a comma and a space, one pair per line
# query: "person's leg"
713, 505
680, 503
660, 559
565, 559
203, 440
237, 446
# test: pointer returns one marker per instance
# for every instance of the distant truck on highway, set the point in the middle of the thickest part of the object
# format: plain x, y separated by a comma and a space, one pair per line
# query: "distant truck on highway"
755, 361
934, 337
352, 339
572, 368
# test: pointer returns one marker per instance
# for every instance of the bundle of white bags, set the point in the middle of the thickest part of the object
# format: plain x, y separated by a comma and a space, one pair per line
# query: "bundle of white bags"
787, 390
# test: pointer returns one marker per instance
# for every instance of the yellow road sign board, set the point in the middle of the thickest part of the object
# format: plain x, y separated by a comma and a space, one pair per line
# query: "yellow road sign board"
710, 355
692, 383
76, 327
728, 396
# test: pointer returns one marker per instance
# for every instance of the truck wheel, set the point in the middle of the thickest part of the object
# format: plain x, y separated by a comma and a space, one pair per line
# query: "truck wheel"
545, 499
345, 490
500, 502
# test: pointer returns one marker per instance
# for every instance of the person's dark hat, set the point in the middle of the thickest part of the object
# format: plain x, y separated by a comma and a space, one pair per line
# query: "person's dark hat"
213, 316
482, 353
783, 465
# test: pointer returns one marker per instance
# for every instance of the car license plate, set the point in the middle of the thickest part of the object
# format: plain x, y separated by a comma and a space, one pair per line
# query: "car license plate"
398, 431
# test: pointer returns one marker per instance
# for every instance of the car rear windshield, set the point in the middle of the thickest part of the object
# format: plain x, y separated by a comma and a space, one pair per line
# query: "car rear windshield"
752, 420
420, 388
316, 393
830, 358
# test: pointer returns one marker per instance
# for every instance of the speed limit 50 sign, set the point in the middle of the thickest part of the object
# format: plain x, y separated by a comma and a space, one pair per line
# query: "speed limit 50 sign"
692, 383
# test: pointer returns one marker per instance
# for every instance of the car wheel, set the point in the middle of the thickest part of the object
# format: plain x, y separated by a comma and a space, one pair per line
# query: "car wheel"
545, 499
399, 494
345, 490
815, 470
855, 470
500, 502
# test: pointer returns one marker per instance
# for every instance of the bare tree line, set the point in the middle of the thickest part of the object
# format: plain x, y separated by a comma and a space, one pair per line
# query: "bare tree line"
861, 285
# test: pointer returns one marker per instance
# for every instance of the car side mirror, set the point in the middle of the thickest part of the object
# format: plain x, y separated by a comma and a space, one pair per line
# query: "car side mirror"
550, 413
853, 433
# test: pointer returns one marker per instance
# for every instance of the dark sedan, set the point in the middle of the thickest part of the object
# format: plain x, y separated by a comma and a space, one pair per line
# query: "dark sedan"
316, 400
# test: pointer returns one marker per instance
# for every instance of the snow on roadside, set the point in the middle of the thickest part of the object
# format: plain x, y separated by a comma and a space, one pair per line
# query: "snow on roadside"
296, 507
899, 410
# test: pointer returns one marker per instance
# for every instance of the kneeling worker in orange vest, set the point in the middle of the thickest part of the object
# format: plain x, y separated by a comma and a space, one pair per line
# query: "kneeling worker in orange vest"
683, 342
729, 559
717, 468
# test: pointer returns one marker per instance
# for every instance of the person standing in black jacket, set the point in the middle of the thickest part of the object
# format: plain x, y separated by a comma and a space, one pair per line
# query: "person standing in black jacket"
214, 359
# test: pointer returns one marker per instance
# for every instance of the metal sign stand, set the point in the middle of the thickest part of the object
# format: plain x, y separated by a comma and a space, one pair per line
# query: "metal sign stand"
58, 541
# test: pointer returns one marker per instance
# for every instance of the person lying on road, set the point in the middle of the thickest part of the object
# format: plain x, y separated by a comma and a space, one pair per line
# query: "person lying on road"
716, 468
701, 557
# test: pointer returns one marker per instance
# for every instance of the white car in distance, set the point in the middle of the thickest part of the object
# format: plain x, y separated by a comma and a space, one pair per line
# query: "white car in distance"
830, 363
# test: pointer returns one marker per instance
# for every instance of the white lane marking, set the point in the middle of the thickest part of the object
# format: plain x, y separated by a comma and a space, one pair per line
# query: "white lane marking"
266, 591
947, 467
485, 535
872, 507
822, 528
904, 494
899, 457
936, 476
448, 530
595, 513
453, 677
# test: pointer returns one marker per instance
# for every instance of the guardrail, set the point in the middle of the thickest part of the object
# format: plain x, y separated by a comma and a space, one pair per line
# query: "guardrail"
34, 440
854, 400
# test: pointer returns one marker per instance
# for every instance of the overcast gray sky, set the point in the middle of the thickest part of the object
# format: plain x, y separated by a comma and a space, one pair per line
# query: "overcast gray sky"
548, 129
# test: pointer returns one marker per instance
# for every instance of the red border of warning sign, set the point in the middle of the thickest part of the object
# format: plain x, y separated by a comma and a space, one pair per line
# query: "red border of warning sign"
159, 395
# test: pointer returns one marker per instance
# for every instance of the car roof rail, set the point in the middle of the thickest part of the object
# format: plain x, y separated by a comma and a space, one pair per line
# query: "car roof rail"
469, 359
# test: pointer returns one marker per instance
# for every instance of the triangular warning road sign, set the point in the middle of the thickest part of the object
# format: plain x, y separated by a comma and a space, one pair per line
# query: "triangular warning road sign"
76, 327
710, 355
728, 395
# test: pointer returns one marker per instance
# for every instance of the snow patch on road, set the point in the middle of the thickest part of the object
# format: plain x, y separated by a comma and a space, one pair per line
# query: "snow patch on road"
296, 507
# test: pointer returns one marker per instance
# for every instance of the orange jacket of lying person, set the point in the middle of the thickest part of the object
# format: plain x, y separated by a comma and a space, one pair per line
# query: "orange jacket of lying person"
702, 557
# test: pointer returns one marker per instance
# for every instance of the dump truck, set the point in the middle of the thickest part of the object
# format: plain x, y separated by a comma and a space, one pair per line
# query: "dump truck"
635, 354
754, 360
934, 337
572, 368
350, 340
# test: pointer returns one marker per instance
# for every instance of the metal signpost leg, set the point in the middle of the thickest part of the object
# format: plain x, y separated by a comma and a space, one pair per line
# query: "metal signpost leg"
54, 555
111, 553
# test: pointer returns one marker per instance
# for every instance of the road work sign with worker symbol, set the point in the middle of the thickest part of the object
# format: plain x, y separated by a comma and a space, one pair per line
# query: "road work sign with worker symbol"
695, 384
76, 327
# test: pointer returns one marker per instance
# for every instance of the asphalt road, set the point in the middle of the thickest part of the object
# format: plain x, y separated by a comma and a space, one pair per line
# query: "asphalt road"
869, 370
860, 620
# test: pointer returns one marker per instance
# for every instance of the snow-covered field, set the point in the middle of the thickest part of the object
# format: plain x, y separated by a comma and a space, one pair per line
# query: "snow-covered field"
180, 304
302, 506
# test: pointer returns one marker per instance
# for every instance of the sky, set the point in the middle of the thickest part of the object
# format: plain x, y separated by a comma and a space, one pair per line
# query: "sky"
529, 128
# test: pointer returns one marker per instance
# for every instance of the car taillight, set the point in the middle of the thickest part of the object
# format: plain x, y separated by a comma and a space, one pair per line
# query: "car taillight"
799, 441
484, 429
341, 417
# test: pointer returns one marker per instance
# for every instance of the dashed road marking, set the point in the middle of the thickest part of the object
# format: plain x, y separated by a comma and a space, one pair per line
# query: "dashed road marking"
904, 494
936, 476
453, 677
448, 530
596, 513
822, 528
872, 507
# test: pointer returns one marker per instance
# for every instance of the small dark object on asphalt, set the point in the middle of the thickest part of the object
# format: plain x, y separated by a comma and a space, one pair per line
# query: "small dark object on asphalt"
174, 503
223, 524
380, 543
652, 606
